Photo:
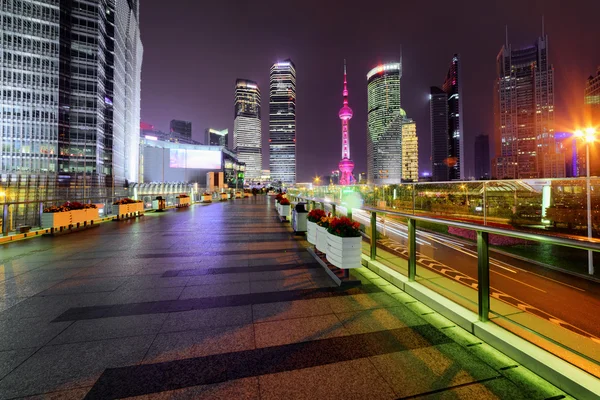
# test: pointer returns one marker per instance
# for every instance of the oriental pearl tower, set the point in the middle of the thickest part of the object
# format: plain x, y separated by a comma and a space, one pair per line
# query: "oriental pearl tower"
346, 166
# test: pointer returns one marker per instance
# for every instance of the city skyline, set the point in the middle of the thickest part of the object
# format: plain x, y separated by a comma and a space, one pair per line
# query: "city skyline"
201, 95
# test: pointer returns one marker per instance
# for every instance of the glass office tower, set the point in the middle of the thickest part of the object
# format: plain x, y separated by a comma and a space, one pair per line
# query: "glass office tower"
215, 137
282, 122
410, 150
524, 114
453, 88
247, 137
438, 114
384, 124
70, 98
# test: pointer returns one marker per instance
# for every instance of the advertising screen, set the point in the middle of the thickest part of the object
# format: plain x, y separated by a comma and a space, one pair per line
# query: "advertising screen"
195, 159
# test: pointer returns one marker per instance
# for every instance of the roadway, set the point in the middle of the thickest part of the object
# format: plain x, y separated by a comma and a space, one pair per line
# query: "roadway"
564, 299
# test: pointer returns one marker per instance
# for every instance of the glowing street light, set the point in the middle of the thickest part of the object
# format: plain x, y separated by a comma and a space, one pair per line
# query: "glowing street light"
589, 136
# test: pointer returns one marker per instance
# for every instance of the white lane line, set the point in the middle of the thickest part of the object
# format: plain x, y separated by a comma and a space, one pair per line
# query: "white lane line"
518, 281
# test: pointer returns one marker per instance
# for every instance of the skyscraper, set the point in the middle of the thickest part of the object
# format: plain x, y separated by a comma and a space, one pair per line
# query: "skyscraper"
592, 99
384, 124
180, 132
524, 114
346, 165
438, 114
453, 88
215, 137
410, 150
71, 96
592, 119
247, 136
447, 148
282, 122
482, 157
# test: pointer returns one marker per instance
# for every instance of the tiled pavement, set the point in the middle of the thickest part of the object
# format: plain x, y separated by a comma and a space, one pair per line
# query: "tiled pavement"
222, 302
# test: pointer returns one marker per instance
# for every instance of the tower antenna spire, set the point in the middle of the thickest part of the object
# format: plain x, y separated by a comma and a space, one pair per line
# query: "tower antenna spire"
543, 30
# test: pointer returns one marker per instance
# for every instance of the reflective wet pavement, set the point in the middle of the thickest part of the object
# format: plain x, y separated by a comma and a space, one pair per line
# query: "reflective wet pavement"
222, 301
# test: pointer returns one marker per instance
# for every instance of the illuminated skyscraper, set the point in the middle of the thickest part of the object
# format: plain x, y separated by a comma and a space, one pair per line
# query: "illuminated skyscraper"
346, 165
410, 150
384, 124
453, 88
447, 144
247, 138
282, 122
592, 119
180, 132
524, 114
71, 96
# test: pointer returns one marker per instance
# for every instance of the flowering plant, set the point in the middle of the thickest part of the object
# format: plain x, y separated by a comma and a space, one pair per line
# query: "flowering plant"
316, 215
279, 197
183, 196
126, 200
344, 227
284, 202
206, 194
325, 221
68, 206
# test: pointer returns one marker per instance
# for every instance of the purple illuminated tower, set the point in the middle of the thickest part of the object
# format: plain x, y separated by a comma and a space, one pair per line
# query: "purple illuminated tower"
346, 166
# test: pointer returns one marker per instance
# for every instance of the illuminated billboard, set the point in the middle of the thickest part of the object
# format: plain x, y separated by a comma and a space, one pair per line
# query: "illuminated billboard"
195, 159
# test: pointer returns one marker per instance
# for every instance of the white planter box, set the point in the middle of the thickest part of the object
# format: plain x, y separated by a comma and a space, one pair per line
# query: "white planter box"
238, 195
311, 232
124, 209
56, 220
246, 194
284, 211
183, 201
67, 218
223, 196
344, 253
206, 198
321, 243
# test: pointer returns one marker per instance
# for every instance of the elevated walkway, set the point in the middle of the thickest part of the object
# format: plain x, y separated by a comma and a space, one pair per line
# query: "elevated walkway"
222, 301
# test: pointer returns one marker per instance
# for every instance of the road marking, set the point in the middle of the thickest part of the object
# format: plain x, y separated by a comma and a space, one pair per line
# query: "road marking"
460, 277
516, 280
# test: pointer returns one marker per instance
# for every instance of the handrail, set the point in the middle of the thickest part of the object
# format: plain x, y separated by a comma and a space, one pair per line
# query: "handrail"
483, 257
582, 244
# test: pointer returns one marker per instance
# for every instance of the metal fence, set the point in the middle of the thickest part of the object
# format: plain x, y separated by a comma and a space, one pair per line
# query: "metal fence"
475, 292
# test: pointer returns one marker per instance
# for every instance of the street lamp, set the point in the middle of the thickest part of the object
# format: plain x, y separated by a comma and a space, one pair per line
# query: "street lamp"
316, 180
589, 135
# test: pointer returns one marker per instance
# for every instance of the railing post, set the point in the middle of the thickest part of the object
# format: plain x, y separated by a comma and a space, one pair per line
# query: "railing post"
333, 209
373, 235
322, 206
349, 213
483, 275
412, 249
41, 211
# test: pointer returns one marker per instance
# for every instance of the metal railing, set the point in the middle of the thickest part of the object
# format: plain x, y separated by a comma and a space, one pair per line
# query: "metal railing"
483, 256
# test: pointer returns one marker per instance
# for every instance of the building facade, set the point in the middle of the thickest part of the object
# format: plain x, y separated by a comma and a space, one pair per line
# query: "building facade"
592, 119
247, 133
282, 122
482, 157
524, 114
438, 116
410, 150
447, 144
70, 97
384, 124
181, 132
453, 88
215, 137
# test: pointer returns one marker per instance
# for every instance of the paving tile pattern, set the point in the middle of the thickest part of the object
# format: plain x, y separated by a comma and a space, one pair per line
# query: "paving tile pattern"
222, 301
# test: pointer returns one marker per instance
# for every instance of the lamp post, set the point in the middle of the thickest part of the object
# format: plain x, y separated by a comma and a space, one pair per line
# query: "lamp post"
589, 135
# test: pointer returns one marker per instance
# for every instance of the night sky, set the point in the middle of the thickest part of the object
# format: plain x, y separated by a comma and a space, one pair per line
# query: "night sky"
195, 49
